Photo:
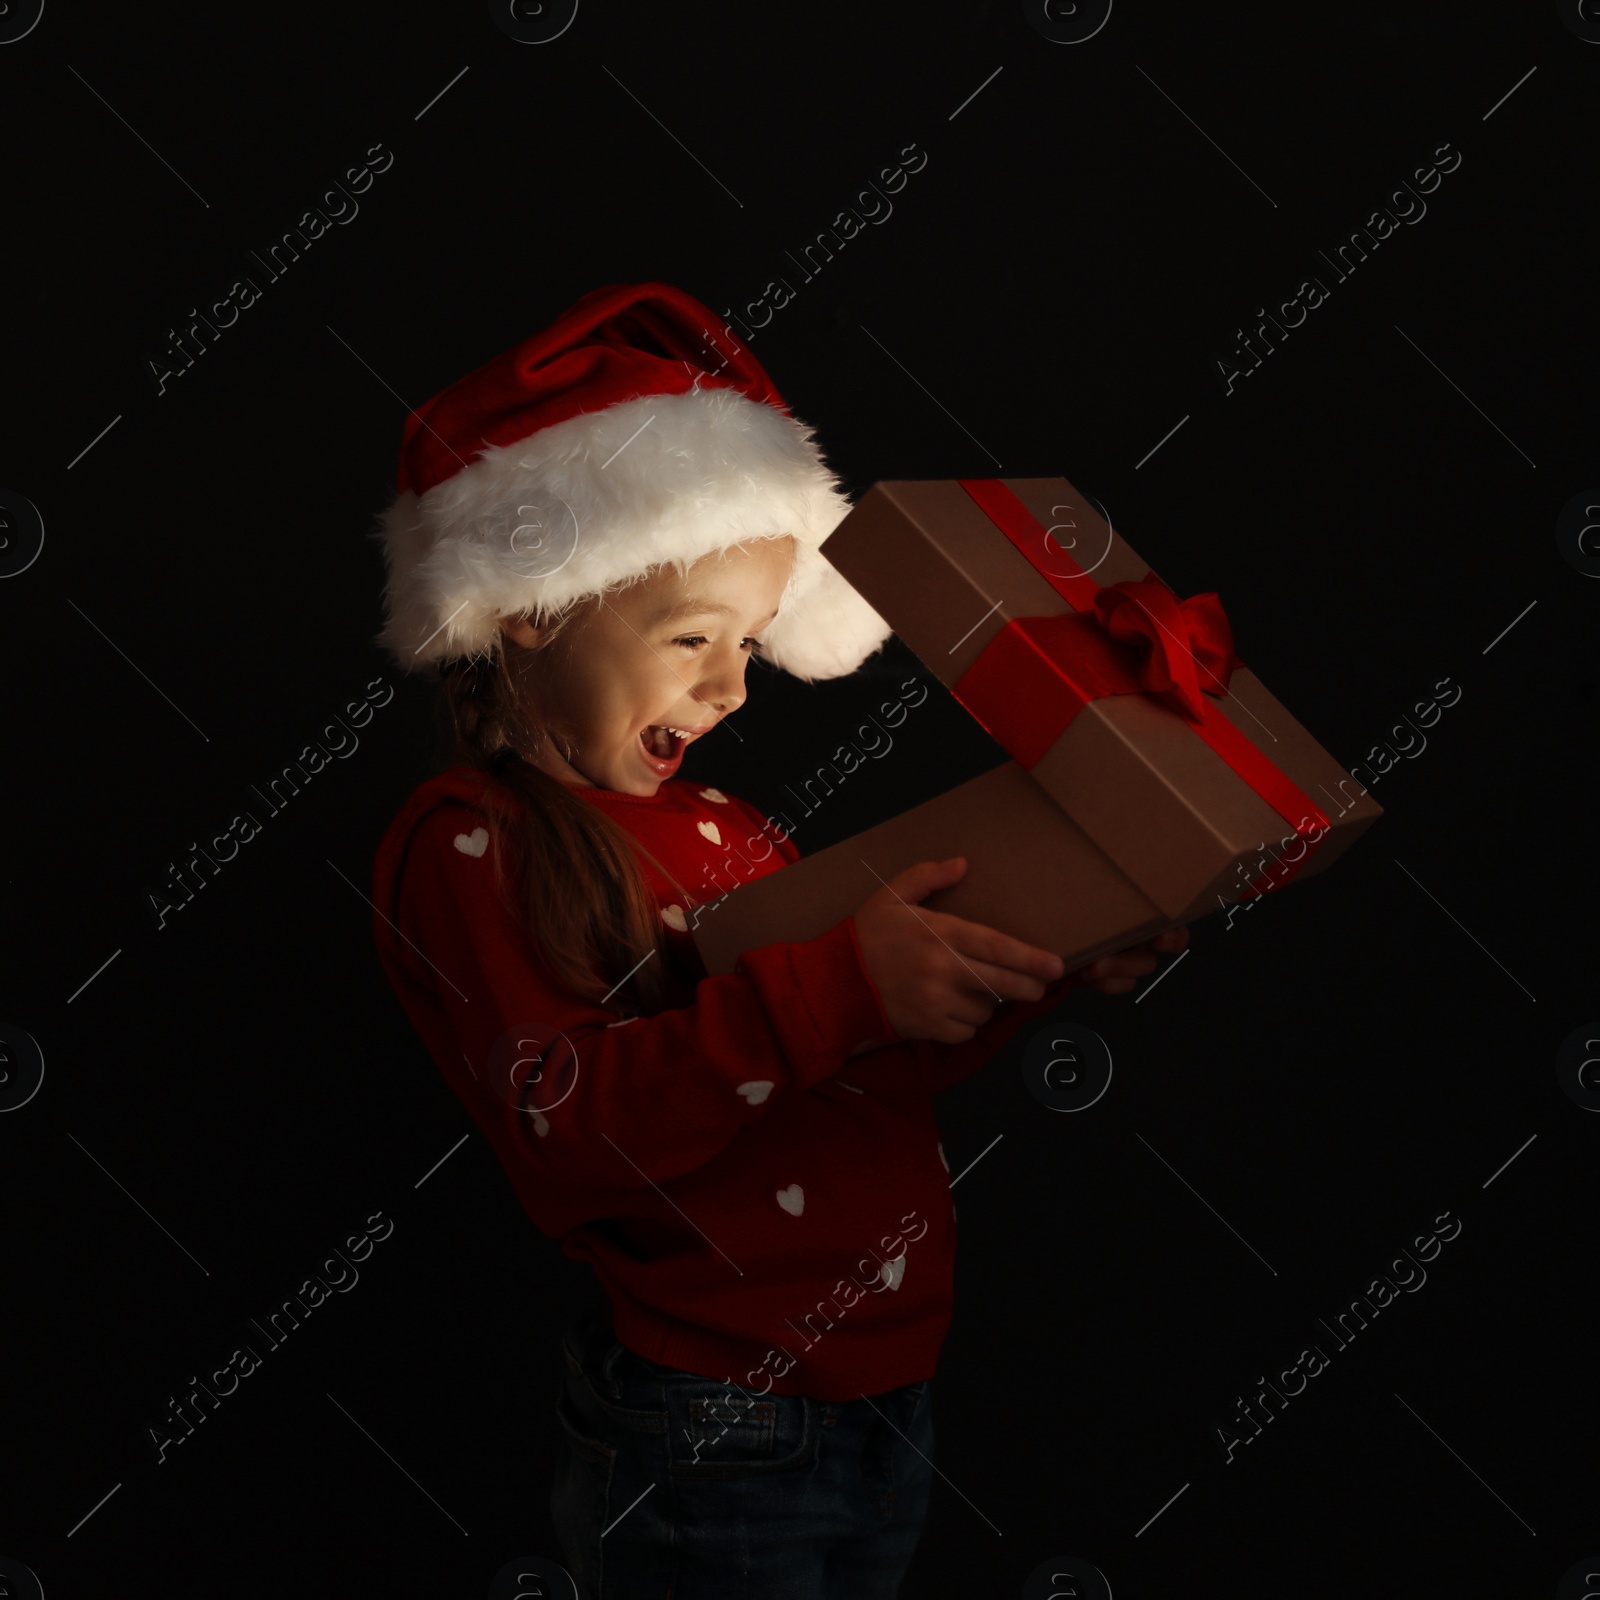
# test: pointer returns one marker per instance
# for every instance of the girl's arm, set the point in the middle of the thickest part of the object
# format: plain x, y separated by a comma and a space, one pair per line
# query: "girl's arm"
924, 1065
595, 1101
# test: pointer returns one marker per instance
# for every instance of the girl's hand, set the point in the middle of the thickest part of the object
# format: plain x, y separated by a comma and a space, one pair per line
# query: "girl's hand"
1116, 974
940, 977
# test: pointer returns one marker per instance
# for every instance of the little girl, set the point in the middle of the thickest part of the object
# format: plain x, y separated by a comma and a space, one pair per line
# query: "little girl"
592, 534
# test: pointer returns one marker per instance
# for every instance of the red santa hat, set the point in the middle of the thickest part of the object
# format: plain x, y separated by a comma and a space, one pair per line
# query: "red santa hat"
636, 430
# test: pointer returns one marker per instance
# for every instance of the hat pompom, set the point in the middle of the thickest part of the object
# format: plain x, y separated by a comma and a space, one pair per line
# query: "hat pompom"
824, 628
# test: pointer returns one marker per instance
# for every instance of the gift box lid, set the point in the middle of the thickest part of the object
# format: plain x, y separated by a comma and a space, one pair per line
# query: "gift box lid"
1196, 812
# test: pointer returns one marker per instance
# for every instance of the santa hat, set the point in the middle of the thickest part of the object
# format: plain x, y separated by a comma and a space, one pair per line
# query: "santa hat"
635, 430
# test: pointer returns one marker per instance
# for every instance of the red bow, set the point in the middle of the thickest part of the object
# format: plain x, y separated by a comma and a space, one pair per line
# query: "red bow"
1137, 637
1182, 646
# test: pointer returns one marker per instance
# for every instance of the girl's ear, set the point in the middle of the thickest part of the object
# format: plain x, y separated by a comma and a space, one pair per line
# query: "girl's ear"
521, 631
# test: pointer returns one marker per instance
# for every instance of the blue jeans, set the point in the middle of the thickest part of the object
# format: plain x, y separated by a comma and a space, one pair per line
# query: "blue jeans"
671, 1486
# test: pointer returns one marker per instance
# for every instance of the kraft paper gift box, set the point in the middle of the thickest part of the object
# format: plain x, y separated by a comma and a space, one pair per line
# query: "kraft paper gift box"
1153, 778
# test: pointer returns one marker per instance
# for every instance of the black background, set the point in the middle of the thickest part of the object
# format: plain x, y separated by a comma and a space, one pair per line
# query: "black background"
235, 1093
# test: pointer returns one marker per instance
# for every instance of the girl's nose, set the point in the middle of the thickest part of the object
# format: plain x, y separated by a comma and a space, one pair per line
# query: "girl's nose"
723, 691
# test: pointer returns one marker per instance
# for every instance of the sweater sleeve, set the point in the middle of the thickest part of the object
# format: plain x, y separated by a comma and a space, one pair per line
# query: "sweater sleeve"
942, 1066
598, 1102
925, 1066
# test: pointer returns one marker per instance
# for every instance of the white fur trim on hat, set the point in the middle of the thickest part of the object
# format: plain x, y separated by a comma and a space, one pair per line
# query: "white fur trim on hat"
585, 505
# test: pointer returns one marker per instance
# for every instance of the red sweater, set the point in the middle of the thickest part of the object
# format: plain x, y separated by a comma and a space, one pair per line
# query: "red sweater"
758, 1206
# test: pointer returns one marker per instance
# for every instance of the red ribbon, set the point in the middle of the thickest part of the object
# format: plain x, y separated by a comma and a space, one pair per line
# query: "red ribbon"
1134, 637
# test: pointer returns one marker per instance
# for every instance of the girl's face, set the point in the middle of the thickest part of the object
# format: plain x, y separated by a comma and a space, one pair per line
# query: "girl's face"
664, 653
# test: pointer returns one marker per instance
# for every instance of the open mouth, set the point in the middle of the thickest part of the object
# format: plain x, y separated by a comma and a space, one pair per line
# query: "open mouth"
666, 744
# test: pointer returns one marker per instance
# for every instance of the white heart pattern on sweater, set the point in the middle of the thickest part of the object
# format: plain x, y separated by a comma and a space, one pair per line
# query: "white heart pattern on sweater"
756, 1091
474, 843
711, 831
714, 794
894, 1271
674, 918
792, 1199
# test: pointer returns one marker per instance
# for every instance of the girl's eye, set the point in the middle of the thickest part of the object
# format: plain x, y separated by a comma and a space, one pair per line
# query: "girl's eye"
695, 640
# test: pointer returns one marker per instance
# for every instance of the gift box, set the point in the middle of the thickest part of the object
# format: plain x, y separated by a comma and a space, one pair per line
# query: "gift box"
1152, 780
